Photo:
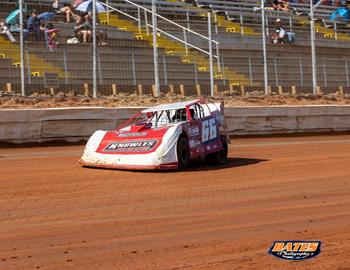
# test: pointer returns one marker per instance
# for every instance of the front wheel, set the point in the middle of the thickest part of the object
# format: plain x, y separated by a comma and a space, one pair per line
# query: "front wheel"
183, 153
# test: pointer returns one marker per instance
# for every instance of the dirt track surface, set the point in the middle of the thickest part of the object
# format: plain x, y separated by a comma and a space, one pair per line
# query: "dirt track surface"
57, 215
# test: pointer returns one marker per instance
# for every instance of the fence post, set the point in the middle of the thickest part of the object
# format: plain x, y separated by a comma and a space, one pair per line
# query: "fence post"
242, 24
223, 71
28, 67
65, 67
313, 49
188, 19
250, 71
99, 68
325, 74
210, 56
195, 70
185, 40
139, 19
94, 49
301, 72
155, 49
107, 13
165, 71
216, 23
347, 73
133, 68
21, 46
146, 22
335, 30
264, 46
276, 71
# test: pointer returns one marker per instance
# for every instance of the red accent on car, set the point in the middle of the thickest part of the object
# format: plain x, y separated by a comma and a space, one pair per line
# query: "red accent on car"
137, 134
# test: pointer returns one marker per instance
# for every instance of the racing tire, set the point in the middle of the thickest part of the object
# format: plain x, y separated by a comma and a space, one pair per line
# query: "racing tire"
183, 153
218, 158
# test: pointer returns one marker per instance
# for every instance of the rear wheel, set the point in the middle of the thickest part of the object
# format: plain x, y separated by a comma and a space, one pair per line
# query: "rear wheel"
218, 158
183, 153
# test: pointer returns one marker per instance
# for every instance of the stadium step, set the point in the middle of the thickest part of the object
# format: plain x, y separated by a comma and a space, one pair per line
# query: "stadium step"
176, 48
222, 21
327, 33
38, 66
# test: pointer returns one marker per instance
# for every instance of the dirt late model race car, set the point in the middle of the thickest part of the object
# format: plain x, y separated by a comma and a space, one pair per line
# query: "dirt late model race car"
163, 137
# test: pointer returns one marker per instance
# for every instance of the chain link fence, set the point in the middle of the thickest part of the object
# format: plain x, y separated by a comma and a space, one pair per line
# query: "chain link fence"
198, 48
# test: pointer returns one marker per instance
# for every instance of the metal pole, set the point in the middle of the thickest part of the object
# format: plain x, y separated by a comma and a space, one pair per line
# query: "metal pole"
155, 49
266, 86
146, 22
325, 74
250, 71
21, 46
188, 19
223, 70
165, 70
133, 68
347, 73
94, 55
301, 72
313, 49
99, 68
107, 4
139, 19
28, 67
65, 67
195, 71
185, 40
276, 71
210, 56
241, 22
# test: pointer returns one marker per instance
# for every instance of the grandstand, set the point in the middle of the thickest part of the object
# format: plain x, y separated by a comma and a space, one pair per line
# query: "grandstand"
126, 62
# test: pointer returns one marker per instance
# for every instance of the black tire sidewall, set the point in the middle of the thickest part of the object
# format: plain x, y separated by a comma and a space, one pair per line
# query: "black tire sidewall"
182, 145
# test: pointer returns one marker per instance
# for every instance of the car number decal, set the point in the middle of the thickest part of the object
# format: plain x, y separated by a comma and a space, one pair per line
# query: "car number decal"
209, 130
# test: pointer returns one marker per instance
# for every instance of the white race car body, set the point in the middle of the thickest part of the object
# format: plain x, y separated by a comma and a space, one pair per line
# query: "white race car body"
151, 142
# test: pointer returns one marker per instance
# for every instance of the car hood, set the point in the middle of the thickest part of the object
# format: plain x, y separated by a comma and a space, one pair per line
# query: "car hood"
132, 141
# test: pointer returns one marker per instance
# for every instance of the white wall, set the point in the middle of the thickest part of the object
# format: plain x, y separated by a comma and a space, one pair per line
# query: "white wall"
73, 124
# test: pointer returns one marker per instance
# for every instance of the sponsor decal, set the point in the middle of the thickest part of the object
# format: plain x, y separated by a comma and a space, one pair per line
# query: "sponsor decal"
133, 146
135, 134
295, 250
193, 131
194, 143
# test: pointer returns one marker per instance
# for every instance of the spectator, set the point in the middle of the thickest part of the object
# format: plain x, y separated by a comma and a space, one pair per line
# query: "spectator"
64, 8
279, 37
101, 37
82, 29
33, 25
51, 34
4, 30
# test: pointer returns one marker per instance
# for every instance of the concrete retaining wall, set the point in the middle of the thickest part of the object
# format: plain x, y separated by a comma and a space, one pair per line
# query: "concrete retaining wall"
74, 124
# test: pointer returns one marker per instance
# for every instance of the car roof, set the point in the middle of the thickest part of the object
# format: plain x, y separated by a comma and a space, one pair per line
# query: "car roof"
171, 106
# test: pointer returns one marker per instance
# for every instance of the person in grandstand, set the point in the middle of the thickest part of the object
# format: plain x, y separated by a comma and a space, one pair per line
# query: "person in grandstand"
63, 8
33, 26
4, 30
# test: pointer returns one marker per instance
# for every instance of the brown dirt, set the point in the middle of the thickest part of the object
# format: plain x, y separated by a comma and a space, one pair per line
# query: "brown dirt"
124, 99
58, 215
